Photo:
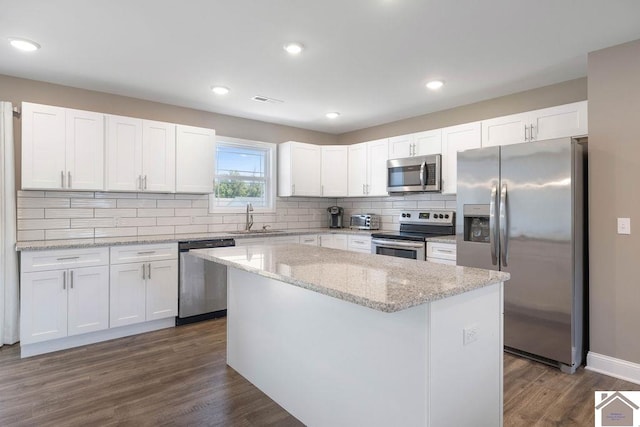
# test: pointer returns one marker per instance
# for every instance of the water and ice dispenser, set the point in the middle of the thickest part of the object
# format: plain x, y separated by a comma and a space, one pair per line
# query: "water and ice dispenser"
476, 223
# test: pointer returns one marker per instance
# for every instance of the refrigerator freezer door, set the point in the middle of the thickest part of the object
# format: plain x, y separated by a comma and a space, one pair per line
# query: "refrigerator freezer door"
539, 297
478, 179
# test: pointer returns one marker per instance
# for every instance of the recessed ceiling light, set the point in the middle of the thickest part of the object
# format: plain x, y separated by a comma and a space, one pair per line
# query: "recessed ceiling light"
435, 84
293, 48
333, 115
220, 90
24, 44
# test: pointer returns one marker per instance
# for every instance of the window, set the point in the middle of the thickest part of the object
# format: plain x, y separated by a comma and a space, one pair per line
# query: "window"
244, 173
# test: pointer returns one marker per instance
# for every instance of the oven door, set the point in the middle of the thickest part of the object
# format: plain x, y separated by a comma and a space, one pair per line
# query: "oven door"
399, 248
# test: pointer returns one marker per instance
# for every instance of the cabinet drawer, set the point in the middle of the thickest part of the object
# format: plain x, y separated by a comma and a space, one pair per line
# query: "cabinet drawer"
309, 239
441, 250
60, 259
143, 253
360, 243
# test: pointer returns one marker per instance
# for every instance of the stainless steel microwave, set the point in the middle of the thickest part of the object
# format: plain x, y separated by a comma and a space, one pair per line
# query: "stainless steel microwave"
414, 174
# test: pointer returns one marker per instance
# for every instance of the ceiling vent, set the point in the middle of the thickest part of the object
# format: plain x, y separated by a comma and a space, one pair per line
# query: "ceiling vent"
261, 98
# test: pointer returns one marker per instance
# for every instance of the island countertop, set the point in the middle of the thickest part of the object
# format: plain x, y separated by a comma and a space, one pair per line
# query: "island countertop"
379, 282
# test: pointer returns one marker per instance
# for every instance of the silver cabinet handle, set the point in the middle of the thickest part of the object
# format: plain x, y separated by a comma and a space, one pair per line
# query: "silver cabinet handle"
531, 133
146, 252
493, 225
322, 190
526, 138
64, 280
504, 226
149, 272
68, 179
145, 182
71, 279
67, 258
293, 189
62, 179
364, 191
143, 273
360, 242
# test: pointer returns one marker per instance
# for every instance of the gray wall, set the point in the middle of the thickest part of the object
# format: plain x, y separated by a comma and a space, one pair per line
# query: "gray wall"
548, 96
614, 175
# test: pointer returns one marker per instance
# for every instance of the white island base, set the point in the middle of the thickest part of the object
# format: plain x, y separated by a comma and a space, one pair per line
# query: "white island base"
335, 363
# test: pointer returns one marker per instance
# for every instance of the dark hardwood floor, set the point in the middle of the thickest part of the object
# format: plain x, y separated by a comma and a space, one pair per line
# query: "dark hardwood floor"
178, 377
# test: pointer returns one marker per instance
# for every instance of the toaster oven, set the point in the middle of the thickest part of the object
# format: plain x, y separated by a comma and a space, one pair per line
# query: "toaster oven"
365, 222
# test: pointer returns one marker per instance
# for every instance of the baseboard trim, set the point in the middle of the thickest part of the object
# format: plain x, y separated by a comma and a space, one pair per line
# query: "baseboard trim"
28, 350
613, 367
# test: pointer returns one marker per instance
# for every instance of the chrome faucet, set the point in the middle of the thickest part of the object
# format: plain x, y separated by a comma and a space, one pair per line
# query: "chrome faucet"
249, 220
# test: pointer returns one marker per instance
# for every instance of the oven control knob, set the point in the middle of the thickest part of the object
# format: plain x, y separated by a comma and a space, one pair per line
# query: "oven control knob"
441, 216
446, 216
404, 215
408, 215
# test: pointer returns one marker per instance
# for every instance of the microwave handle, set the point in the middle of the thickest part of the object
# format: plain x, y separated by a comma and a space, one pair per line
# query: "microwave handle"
423, 168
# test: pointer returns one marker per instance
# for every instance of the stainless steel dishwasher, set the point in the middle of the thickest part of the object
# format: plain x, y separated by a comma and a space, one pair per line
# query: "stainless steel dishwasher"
202, 284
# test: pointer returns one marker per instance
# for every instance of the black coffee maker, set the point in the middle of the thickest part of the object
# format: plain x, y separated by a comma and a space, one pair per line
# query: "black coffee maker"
335, 216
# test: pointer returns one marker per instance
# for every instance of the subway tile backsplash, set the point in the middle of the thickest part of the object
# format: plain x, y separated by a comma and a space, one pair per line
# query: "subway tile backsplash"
50, 215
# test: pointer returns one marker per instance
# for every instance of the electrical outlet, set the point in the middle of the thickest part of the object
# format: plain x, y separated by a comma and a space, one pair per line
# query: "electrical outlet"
624, 225
470, 334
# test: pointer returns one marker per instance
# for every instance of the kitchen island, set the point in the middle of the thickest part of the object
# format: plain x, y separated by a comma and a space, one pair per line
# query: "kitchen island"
339, 338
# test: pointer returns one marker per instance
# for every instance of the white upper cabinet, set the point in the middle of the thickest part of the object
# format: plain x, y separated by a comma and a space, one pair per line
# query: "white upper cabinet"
334, 170
547, 123
159, 156
195, 154
141, 155
416, 144
299, 169
358, 169
368, 168
559, 122
124, 153
456, 139
62, 149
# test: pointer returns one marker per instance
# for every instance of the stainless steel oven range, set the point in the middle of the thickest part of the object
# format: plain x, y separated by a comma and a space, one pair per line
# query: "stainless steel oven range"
415, 227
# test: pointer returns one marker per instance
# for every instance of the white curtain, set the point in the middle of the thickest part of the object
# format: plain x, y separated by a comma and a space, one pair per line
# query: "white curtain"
9, 289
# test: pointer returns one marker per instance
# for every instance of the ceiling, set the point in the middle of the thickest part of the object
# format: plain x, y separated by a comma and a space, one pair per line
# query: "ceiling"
367, 59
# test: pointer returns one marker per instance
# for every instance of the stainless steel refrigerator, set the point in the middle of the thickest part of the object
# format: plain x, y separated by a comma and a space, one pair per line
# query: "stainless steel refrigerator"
520, 209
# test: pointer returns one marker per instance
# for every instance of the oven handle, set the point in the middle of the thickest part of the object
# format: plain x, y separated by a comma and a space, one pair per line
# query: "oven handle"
396, 244
423, 167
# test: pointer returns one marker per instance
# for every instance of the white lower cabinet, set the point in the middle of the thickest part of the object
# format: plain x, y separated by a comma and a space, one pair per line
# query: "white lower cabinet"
58, 300
309, 239
335, 241
359, 243
144, 283
442, 253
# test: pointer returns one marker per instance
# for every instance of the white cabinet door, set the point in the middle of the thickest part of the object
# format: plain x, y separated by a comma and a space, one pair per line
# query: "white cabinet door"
127, 294
512, 129
559, 122
162, 289
377, 156
335, 174
88, 299
359, 243
335, 241
43, 147
428, 142
401, 146
195, 158
159, 156
124, 153
299, 169
43, 306
456, 139
84, 150
358, 169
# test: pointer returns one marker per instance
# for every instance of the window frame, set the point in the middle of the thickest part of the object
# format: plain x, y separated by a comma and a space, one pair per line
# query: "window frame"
270, 175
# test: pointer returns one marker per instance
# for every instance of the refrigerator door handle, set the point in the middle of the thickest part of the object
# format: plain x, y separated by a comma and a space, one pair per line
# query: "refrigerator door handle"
504, 226
423, 167
493, 242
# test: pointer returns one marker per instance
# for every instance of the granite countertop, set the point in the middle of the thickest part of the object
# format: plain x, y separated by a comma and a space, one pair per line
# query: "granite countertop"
115, 241
379, 282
